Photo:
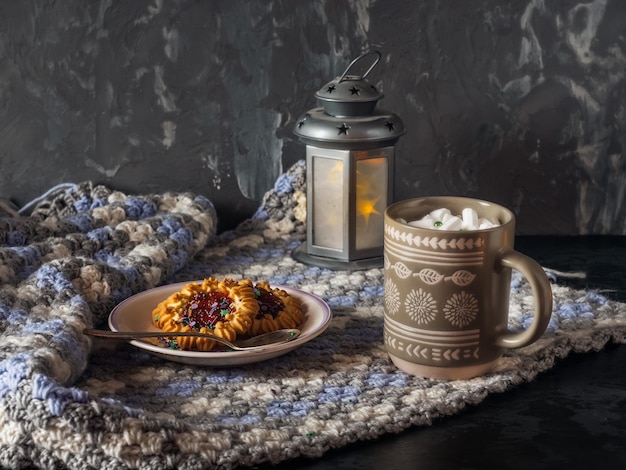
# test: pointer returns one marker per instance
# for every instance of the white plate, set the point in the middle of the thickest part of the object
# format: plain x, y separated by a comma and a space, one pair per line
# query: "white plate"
135, 314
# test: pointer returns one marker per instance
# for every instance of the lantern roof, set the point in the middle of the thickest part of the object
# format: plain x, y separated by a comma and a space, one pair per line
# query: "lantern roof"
347, 114
350, 95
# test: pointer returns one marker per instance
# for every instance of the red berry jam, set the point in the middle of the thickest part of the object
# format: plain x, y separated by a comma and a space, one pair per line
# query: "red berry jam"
205, 310
268, 302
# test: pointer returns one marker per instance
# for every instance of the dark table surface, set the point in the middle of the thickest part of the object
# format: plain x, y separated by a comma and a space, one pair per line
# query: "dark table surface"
572, 416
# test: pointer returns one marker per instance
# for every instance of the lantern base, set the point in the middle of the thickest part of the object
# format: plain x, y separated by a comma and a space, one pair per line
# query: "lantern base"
300, 254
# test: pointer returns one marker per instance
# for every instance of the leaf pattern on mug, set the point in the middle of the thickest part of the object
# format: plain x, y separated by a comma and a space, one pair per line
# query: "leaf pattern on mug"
429, 276
401, 270
461, 277
434, 242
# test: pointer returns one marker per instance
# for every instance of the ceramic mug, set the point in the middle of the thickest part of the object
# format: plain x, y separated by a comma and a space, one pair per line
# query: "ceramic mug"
447, 292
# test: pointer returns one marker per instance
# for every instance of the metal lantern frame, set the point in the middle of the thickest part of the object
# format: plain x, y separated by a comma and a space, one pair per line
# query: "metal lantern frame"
350, 151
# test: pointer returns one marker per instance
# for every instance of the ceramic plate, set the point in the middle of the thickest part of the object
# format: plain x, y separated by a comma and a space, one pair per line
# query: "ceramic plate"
134, 314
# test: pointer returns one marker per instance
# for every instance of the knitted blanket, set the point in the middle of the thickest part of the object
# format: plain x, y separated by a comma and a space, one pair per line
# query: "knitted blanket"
65, 404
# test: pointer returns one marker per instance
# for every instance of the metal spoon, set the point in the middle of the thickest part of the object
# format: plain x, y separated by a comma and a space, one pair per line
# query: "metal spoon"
259, 341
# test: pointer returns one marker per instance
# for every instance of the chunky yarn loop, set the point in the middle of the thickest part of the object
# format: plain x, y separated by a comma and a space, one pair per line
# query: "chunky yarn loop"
64, 406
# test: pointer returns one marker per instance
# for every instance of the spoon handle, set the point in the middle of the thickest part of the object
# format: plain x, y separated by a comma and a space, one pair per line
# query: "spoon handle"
128, 335
146, 334
275, 337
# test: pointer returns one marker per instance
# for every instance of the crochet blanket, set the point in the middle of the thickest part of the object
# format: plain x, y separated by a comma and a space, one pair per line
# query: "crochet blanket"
65, 404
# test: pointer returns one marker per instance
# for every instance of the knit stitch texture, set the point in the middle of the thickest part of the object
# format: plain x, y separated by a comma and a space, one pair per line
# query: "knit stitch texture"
80, 252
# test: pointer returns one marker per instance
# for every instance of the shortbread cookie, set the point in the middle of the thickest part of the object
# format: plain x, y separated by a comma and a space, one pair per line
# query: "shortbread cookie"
277, 309
223, 308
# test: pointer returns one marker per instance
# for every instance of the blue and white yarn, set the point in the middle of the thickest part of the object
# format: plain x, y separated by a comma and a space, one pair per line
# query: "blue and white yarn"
62, 274
80, 252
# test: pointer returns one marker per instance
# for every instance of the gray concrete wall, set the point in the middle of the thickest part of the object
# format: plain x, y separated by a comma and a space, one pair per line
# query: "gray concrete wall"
519, 101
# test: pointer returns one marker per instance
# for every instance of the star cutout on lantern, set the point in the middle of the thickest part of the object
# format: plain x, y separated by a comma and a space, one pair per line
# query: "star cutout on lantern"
343, 129
390, 126
300, 123
330, 89
355, 91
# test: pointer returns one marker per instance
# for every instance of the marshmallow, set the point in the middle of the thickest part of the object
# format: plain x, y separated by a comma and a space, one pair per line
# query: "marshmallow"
470, 219
440, 214
426, 222
484, 223
452, 223
443, 219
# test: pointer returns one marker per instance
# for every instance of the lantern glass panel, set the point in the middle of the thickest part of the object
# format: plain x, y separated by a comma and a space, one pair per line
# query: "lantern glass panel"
372, 187
328, 203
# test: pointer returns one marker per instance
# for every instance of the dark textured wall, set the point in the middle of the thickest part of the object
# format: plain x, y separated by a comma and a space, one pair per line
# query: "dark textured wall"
520, 101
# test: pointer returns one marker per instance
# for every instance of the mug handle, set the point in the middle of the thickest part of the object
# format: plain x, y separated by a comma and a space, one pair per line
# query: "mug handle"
542, 295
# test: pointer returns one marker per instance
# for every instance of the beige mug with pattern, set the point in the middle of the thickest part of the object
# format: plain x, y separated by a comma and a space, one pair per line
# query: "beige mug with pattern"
447, 291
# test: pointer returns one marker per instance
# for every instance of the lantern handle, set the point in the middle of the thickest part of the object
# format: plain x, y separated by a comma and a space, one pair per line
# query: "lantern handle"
377, 53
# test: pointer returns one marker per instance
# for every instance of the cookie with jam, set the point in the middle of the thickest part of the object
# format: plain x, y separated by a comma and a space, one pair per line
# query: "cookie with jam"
223, 308
277, 309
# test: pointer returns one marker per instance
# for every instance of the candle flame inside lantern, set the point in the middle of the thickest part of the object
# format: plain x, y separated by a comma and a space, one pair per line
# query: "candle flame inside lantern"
371, 200
367, 207
349, 195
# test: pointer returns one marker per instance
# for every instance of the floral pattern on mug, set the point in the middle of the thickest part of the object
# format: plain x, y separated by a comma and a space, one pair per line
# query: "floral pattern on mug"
461, 309
392, 297
421, 306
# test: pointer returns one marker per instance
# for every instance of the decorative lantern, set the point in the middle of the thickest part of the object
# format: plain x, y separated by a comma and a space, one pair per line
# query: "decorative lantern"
349, 172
